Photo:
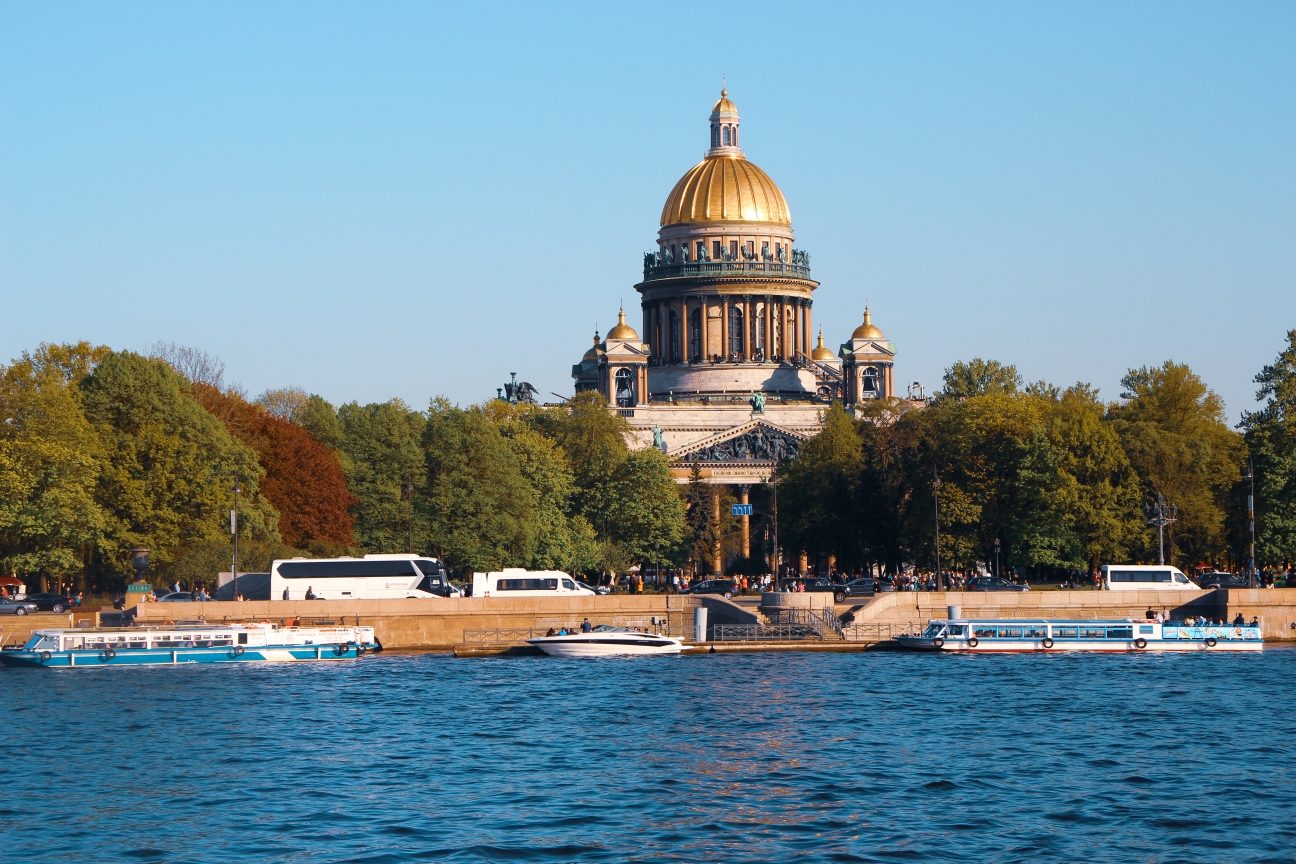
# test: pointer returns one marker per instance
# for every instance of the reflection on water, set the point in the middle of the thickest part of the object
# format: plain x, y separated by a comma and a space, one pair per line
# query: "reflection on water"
772, 757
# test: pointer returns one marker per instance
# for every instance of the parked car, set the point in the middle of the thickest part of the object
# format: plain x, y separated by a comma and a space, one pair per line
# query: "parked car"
177, 597
9, 606
993, 583
1223, 580
725, 587
820, 584
601, 589
50, 602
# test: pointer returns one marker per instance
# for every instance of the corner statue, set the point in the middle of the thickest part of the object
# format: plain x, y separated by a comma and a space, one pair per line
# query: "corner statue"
659, 440
758, 402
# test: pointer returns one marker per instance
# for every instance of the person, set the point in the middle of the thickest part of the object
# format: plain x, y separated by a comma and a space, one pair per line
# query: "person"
239, 597
562, 632
1160, 617
676, 582
285, 596
1149, 614
202, 593
1239, 621
1255, 621
585, 626
310, 592
552, 632
175, 589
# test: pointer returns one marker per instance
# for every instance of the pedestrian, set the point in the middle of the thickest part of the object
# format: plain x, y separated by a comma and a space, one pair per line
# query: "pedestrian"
285, 594
585, 626
310, 592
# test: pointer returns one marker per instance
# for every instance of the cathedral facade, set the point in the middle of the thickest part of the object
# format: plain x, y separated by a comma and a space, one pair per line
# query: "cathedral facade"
727, 375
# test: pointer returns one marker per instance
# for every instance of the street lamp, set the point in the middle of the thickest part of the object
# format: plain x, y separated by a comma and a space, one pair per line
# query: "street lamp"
1161, 514
234, 534
936, 481
998, 571
1250, 478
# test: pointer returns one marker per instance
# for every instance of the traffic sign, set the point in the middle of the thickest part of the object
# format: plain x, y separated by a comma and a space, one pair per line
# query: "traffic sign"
742, 509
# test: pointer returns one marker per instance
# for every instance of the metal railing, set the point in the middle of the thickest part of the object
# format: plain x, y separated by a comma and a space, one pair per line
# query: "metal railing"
495, 636
785, 625
878, 632
726, 268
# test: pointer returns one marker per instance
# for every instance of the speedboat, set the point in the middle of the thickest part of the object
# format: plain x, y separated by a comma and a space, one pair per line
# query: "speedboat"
605, 641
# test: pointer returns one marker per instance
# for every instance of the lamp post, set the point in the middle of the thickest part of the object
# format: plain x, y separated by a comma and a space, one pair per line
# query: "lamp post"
234, 534
1161, 514
657, 549
998, 571
1250, 478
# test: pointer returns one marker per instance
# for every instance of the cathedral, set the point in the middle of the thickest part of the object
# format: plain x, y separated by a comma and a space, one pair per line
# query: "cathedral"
725, 373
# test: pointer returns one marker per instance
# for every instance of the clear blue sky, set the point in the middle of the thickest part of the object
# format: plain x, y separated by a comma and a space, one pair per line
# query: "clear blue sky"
373, 200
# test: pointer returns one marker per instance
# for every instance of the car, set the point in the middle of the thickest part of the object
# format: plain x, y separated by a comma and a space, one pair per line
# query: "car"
725, 587
177, 597
865, 586
601, 589
1223, 580
10, 606
813, 584
993, 583
50, 602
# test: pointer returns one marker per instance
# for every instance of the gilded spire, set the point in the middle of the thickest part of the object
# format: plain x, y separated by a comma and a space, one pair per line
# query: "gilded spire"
622, 330
821, 352
867, 330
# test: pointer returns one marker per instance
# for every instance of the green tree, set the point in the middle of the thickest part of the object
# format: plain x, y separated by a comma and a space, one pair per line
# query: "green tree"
1172, 427
1271, 439
321, 421
979, 378
167, 466
49, 463
382, 448
819, 490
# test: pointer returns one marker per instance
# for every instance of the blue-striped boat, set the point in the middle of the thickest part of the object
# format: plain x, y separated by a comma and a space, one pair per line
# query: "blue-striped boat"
168, 644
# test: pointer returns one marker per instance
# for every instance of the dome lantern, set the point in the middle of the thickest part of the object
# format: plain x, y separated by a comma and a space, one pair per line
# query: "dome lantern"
724, 128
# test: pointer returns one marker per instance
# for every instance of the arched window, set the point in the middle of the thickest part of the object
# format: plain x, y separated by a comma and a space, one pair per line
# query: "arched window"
715, 136
695, 336
869, 383
726, 136
625, 396
735, 331
674, 336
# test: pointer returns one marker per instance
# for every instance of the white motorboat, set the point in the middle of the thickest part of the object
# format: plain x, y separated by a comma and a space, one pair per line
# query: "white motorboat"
605, 641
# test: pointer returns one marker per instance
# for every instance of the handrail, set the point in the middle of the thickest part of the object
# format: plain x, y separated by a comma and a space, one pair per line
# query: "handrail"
725, 268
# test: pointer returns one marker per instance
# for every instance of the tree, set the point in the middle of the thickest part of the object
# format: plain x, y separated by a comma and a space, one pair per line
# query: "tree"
482, 512
167, 466
383, 451
48, 464
303, 478
1172, 427
979, 378
286, 403
321, 421
819, 492
1271, 439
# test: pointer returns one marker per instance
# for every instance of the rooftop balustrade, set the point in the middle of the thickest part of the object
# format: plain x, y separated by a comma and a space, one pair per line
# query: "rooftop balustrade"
654, 271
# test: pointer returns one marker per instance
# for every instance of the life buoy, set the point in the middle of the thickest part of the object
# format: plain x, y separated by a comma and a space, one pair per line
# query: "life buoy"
238, 650
972, 643
45, 656
938, 642
107, 654
1047, 643
360, 649
340, 649
1140, 644
1238, 632
168, 623
1210, 641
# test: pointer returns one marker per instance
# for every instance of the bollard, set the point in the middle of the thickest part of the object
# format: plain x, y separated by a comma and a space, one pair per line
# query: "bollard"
954, 612
700, 624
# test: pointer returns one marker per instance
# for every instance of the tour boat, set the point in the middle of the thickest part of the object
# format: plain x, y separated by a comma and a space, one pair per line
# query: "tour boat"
605, 641
189, 643
973, 635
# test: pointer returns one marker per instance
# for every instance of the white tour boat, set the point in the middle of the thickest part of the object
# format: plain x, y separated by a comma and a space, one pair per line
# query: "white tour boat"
996, 636
605, 641
189, 643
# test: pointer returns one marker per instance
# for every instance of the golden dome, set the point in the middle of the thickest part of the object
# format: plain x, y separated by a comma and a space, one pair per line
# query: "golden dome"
867, 330
622, 330
820, 352
593, 353
724, 106
725, 189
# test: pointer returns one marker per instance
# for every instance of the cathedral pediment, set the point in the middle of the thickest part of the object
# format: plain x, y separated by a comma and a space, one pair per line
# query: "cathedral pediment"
752, 442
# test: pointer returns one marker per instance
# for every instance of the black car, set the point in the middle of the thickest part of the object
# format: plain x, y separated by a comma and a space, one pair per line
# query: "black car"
1223, 580
812, 583
724, 587
48, 602
865, 586
993, 583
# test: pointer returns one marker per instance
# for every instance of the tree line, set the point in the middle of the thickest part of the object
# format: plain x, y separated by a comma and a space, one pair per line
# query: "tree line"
1057, 480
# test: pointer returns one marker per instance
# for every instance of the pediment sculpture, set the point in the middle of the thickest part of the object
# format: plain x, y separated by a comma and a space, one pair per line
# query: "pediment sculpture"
760, 444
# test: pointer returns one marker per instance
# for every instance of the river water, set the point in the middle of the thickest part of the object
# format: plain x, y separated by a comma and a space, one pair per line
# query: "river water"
760, 757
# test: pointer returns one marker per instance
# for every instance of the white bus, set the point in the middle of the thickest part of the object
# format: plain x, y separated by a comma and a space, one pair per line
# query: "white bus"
373, 577
1145, 577
517, 582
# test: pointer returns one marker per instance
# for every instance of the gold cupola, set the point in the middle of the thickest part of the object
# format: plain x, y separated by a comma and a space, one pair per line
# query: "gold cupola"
724, 186
622, 330
592, 353
821, 352
867, 330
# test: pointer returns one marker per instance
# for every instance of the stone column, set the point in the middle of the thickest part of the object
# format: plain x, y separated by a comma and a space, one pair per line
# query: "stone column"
769, 328
803, 564
705, 335
809, 326
801, 347
747, 327
717, 552
743, 498
724, 327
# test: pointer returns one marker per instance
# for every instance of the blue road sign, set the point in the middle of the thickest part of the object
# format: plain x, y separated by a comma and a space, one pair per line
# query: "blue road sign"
742, 509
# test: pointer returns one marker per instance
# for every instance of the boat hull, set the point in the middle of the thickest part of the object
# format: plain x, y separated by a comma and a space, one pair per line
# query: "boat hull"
1103, 646
580, 646
174, 656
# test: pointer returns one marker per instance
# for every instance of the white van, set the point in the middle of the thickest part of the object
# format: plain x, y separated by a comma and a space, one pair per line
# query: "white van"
517, 582
1145, 577
373, 577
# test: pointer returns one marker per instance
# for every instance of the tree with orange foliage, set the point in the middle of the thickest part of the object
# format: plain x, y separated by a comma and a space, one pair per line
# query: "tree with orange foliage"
304, 479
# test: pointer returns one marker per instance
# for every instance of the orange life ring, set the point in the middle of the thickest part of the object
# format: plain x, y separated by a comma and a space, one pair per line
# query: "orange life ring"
1237, 632
266, 621
168, 623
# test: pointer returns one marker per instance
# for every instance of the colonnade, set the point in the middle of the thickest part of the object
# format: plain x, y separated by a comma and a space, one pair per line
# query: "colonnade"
784, 327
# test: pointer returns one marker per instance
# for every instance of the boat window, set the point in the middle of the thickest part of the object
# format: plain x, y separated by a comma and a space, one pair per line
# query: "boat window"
1120, 632
981, 631
1093, 633
242, 638
958, 630
1035, 631
1146, 628
1064, 632
1009, 632
933, 630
